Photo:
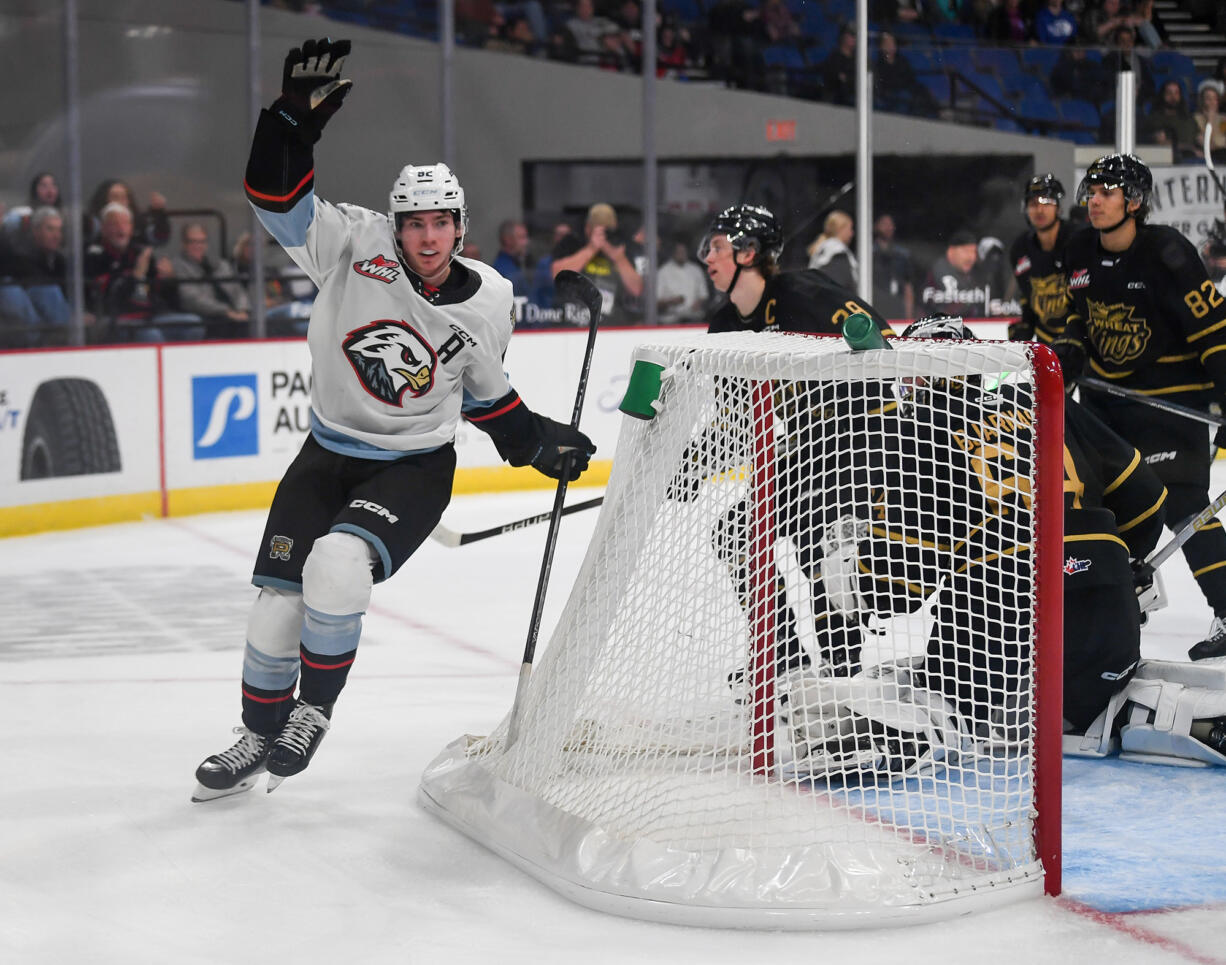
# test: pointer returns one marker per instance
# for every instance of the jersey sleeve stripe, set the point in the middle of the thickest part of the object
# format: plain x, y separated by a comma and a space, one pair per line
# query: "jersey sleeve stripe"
280, 199
1136, 521
495, 413
1216, 326
1120, 479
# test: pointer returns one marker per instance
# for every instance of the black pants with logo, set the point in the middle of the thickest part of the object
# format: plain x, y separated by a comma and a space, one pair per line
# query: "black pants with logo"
393, 505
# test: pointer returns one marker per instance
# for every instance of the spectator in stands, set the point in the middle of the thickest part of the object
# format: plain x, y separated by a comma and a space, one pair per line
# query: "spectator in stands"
517, 37
1008, 24
151, 226
838, 71
1053, 25
122, 281
596, 40
1124, 48
542, 277
1209, 99
1099, 22
895, 84
672, 48
512, 259
42, 269
476, 21
682, 291
893, 272
895, 11
830, 253
1150, 31
732, 33
1169, 122
209, 289
44, 192
778, 24
18, 320
1076, 75
603, 256
954, 285
288, 291
629, 20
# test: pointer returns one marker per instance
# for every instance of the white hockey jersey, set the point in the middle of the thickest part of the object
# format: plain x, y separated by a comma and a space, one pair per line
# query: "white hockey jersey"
389, 369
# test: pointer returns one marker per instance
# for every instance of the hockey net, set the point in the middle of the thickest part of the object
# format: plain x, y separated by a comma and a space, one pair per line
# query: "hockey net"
803, 679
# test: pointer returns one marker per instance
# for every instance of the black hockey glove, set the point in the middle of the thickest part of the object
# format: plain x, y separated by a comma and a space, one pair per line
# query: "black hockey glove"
312, 88
557, 441
1020, 331
1072, 355
1142, 575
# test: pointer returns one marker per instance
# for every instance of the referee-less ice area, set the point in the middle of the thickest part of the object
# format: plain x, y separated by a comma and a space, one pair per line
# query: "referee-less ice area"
121, 649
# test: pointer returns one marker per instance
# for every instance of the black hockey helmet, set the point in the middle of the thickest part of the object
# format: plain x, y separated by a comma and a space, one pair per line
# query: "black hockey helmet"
939, 326
747, 226
1126, 171
1215, 237
1045, 188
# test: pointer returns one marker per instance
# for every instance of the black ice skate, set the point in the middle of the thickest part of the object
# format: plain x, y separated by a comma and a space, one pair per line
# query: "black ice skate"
1213, 645
295, 745
234, 770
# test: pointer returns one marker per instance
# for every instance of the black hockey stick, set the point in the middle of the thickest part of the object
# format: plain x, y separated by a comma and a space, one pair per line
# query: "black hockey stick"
570, 286
449, 537
1197, 415
1209, 159
818, 212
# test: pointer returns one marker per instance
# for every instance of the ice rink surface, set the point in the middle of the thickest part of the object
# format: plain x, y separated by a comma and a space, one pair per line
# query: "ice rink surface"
120, 649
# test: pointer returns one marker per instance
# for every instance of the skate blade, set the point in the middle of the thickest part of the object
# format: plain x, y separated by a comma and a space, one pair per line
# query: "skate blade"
202, 793
273, 782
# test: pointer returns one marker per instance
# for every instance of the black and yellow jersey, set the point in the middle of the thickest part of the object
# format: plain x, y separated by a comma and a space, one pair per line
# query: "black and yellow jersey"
798, 301
1042, 285
1150, 318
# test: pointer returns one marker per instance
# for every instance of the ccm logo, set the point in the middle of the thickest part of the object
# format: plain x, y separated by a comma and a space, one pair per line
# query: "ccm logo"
373, 508
1160, 457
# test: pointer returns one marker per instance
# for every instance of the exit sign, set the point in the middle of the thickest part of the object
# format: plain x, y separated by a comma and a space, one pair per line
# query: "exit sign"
781, 130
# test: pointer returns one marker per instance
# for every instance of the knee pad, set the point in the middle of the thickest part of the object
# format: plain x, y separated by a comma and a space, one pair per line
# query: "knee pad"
275, 622
336, 577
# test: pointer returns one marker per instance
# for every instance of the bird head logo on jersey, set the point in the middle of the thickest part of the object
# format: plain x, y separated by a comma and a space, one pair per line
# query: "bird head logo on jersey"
391, 359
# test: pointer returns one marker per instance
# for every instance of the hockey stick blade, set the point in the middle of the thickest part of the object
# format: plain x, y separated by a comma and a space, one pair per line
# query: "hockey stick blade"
1208, 151
571, 286
452, 539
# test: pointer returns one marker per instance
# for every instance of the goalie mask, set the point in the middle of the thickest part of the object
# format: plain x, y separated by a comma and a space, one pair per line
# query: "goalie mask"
1125, 171
918, 390
428, 187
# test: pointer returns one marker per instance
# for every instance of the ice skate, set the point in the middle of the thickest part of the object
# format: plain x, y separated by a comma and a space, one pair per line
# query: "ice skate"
1214, 645
295, 746
234, 770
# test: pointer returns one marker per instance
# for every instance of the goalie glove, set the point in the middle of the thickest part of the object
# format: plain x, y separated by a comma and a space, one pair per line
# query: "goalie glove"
312, 88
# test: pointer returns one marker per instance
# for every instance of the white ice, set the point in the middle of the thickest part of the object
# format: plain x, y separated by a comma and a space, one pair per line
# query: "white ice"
120, 648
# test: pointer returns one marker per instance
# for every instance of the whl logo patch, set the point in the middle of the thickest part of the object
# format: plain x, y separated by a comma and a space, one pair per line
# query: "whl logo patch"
225, 416
1079, 278
378, 268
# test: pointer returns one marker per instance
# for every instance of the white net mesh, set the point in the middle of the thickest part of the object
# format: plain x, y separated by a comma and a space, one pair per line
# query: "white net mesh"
794, 682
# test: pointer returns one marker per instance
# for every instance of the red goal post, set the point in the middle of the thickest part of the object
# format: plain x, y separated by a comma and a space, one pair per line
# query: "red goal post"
701, 744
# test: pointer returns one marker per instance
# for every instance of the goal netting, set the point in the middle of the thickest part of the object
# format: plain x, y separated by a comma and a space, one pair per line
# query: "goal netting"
803, 678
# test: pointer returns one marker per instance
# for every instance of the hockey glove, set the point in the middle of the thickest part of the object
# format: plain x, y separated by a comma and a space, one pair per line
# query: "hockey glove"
1072, 355
1142, 576
312, 88
1020, 331
557, 441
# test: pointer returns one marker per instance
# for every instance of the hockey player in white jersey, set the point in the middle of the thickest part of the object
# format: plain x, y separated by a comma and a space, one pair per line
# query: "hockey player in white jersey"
406, 338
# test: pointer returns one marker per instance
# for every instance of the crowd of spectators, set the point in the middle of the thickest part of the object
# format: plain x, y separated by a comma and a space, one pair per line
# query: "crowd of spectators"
139, 287
925, 52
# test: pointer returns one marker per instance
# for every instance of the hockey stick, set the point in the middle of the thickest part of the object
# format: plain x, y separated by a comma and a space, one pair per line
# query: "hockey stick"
818, 212
1209, 159
1197, 522
572, 287
1172, 407
449, 537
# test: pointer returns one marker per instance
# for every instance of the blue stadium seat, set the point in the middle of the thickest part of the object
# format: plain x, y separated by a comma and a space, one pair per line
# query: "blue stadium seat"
957, 32
1077, 111
783, 55
1040, 61
1001, 60
920, 58
1037, 108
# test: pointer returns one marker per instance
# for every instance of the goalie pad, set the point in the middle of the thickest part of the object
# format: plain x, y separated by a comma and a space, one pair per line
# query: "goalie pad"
1169, 707
840, 563
875, 724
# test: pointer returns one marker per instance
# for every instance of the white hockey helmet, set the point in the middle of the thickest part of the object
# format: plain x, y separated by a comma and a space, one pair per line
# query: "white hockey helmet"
428, 187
